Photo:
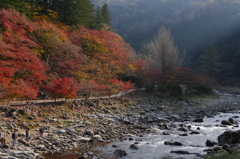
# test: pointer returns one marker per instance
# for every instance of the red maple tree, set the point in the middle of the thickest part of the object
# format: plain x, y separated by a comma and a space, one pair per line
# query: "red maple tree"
61, 88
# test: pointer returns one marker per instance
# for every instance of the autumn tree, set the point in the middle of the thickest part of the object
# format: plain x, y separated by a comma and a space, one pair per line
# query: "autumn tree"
140, 71
161, 52
20, 64
61, 88
182, 76
209, 61
117, 86
60, 56
108, 55
34, 53
90, 87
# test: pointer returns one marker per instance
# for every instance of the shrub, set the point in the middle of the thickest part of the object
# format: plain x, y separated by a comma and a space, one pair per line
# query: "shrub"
149, 87
162, 88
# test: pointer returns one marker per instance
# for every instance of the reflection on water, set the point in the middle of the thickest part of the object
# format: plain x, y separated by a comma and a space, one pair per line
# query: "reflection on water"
151, 146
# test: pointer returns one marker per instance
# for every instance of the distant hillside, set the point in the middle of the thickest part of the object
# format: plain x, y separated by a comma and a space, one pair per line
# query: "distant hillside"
194, 24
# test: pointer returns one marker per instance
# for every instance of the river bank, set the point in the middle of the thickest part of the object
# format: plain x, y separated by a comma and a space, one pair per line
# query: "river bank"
80, 125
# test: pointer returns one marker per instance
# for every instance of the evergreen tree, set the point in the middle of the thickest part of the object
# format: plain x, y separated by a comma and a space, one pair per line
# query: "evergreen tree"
99, 19
210, 61
20, 5
106, 17
76, 12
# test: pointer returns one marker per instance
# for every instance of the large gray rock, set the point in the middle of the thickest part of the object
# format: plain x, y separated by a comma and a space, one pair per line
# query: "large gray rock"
229, 137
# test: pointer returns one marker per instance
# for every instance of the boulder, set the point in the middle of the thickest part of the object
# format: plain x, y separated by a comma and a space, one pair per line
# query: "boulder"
84, 139
97, 137
194, 132
41, 147
120, 153
225, 122
24, 142
210, 143
134, 146
39, 157
164, 126
89, 132
180, 152
166, 133
198, 120
30, 118
183, 134
172, 143
22, 111
61, 131
183, 129
231, 120
229, 137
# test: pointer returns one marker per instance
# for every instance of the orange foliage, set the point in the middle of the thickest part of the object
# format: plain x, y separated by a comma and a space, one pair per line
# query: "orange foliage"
60, 56
35, 52
108, 53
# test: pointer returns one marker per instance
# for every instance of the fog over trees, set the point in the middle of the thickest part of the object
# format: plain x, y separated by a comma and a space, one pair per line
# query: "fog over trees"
194, 26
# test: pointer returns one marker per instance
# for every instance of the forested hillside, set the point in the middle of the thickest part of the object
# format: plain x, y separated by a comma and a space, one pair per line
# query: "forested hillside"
194, 26
69, 48
46, 55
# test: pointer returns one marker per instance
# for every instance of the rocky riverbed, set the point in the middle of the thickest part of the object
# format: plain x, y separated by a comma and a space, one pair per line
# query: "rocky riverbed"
80, 125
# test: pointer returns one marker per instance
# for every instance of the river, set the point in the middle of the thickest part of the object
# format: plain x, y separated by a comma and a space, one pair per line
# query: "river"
151, 146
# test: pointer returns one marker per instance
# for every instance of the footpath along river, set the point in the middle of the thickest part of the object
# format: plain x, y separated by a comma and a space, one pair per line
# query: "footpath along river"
172, 136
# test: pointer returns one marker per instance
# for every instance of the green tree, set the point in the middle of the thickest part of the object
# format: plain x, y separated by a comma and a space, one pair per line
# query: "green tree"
20, 5
106, 17
99, 19
76, 12
209, 61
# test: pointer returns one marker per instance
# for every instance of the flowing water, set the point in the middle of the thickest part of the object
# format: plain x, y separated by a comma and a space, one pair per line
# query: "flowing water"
152, 146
